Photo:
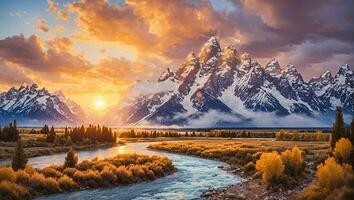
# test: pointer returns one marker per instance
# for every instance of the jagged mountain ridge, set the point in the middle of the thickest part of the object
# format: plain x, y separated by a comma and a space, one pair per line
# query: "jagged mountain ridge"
30, 105
228, 82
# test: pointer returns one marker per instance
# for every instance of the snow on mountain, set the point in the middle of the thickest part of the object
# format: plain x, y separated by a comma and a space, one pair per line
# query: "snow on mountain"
225, 82
33, 106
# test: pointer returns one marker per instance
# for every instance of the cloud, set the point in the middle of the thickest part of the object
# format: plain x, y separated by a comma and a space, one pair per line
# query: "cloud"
11, 74
54, 8
160, 27
30, 53
42, 26
318, 20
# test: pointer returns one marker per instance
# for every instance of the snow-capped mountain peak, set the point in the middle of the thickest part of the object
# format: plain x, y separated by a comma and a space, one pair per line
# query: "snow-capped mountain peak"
222, 81
34, 106
344, 71
273, 68
166, 75
210, 49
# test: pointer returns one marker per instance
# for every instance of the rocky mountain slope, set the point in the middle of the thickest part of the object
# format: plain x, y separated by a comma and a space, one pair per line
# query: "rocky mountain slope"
30, 105
224, 82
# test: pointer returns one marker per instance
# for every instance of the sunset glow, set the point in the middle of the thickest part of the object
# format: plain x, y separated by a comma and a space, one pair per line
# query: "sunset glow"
99, 104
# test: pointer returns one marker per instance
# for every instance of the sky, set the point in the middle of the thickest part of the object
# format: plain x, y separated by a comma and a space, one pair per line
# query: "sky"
95, 51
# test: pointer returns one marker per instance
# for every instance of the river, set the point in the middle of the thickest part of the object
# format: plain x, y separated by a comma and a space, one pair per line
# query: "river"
193, 177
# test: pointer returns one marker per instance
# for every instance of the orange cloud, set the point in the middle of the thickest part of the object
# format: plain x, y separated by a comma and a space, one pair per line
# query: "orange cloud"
160, 27
54, 8
42, 26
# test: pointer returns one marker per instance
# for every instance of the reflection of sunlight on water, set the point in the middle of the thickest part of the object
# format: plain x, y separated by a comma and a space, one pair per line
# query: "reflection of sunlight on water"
121, 149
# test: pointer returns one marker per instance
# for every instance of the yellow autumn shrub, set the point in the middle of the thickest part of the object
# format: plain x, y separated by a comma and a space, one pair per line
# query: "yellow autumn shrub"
9, 190
292, 160
342, 149
271, 166
331, 174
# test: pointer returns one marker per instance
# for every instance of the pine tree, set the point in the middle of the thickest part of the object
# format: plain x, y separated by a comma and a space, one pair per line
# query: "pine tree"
45, 129
338, 127
71, 158
66, 133
19, 160
51, 135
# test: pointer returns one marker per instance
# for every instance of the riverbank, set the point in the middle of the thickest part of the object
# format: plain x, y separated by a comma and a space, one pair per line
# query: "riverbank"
123, 169
242, 155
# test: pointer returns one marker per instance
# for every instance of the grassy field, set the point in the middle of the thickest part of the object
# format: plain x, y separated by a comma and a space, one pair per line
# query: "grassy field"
242, 150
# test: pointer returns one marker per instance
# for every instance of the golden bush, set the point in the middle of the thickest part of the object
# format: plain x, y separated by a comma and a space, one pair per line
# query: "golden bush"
271, 166
69, 171
22, 177
292, 160
342, 149
108, 177
122, 169
29, 169
43, 185
7, 174
51, 172
9, 190
330, 174
67, 184
334, 181
124, 175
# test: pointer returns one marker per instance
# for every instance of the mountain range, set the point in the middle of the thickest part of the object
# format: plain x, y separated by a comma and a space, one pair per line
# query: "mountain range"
222, 87
30, 105
215, 87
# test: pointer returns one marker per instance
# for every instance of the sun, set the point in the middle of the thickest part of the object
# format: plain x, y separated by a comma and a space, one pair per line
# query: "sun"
99, 104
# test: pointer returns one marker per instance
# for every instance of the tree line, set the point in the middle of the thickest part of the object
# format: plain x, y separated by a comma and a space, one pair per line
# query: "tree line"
147, 134
9, 133
92, 133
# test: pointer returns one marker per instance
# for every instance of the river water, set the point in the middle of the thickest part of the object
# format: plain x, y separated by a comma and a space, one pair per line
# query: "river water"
193, 177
